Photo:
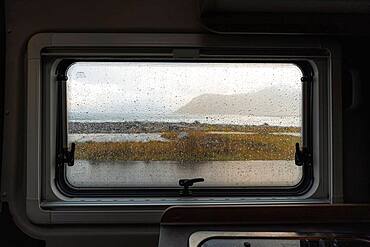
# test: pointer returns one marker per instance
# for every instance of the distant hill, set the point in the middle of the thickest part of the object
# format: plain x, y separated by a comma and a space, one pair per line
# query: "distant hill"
271, 101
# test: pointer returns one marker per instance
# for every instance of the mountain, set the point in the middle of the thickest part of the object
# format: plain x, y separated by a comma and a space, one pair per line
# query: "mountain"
272, 101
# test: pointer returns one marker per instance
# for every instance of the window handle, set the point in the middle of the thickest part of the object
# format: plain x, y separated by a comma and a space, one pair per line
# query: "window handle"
302, 156
186, 183
67, 156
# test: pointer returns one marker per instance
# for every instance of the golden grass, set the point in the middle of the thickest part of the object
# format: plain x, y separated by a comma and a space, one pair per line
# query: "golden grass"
249, 128
197, 146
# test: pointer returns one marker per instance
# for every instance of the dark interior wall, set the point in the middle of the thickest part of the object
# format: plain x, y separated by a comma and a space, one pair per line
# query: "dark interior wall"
2, 75
25, 18
356, 120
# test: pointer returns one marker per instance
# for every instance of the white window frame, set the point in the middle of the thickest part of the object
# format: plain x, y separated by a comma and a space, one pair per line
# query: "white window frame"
46, 204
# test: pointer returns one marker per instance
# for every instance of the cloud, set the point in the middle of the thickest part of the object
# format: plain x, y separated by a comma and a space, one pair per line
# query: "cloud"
158, 88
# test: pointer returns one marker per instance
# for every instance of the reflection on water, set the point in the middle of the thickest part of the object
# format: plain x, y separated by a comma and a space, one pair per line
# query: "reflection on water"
146, 137
115, 137
167, 173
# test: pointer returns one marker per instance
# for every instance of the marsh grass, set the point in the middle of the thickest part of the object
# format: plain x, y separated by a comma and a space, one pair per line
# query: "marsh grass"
197, 146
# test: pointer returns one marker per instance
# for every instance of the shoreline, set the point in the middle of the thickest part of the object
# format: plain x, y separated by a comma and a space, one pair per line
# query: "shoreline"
157, 127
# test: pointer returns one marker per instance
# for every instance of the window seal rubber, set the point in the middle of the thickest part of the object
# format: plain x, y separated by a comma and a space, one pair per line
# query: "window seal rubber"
301, 188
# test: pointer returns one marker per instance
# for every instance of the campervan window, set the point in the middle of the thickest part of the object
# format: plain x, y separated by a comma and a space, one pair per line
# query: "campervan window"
139, 127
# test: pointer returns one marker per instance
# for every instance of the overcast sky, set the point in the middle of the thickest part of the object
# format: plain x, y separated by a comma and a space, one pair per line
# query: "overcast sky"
160, 88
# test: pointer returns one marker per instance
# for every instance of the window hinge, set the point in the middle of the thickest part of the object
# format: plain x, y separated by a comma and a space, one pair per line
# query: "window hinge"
302, 156
67, 156
186, 183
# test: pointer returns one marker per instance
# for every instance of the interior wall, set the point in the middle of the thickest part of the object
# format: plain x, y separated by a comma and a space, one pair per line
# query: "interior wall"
25, 18
356, 120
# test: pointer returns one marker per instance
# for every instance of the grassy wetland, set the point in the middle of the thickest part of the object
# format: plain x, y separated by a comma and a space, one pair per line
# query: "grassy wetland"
189, 142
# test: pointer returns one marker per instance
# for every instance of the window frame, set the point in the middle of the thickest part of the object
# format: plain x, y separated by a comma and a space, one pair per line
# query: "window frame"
45, 204
203, 55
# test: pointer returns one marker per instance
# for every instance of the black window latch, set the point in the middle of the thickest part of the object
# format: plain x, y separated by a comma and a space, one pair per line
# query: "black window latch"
302, 157
186, 183
67, 156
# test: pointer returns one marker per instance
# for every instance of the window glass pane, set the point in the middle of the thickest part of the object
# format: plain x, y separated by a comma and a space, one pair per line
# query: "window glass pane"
149, 124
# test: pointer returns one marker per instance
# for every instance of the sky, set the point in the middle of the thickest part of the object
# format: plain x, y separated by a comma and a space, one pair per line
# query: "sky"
164, 87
